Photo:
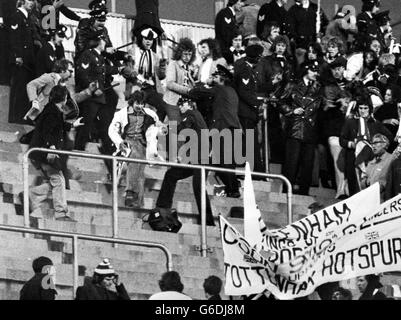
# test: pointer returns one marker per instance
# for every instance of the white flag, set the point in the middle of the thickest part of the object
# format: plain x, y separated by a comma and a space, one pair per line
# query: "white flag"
253, 223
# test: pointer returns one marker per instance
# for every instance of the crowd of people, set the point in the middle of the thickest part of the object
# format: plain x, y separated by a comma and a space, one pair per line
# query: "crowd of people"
327, 92
105, 284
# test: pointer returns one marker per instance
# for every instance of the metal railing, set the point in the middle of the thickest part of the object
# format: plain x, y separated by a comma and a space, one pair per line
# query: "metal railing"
75, 237
115, 159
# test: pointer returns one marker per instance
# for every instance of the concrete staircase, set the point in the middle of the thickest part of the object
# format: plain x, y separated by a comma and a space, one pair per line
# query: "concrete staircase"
91, 205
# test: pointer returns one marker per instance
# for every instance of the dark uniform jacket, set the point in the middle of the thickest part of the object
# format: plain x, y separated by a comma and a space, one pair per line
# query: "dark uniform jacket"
33, 289
50, 130
303, 23
225, 29
85, 31
367, 27
91, 67
21, 39
245, 81
333, 116
302, 127
45, 59
224, 106
90, 291
270, 12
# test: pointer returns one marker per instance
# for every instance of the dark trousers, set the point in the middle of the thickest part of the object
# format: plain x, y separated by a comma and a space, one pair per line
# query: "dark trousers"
299, 157
257, 149
229, 179
97, 118
350, 172
19, 102
165, 199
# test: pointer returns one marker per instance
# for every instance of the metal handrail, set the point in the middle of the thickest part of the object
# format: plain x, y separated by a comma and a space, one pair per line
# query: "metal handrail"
75, 237
114, 160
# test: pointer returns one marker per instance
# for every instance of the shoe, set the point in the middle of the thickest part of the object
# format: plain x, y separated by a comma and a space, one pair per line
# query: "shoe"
131, 199
342, 197
66, 218
235, 194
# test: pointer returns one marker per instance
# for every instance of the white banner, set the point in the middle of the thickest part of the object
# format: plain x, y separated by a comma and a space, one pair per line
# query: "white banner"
353, 238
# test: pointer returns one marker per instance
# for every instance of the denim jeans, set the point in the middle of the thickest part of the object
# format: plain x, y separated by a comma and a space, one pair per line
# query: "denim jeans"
55, 185
136, 171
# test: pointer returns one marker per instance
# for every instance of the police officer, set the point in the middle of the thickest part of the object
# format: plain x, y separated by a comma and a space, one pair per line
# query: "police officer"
192, 119
367, 26
59, 7
301, 110
246, 84
226, 26
88, 26
22, 57
384, 29
273, 11
47, 55
302, 21
224, 119
91, 67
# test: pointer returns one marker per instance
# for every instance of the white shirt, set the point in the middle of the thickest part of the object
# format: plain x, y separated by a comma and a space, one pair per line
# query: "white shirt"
205, 71
53, 46
22, 9
169, 295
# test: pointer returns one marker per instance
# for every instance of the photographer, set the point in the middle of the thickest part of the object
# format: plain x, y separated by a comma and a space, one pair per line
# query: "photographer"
100, 286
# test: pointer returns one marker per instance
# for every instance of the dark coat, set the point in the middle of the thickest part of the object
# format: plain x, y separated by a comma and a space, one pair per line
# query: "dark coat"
90, 291
348, 133
367, 27
147, 15
50, 130
33, 289
393, 185
45, 59
216, 297
90, 67
246, 84
6, 10
83, 39
270, 12
225, 27
333, 117
302, 127
22, 39
302, 24
192, 119
224, 106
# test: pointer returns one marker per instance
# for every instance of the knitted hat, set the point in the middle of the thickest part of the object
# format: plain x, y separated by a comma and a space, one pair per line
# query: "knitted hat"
105, 268
39, 263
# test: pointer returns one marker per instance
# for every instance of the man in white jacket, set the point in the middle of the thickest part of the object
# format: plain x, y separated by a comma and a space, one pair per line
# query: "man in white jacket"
134, 131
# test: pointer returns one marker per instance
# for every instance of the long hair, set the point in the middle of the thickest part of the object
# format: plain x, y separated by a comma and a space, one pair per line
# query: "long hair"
268, 29
214, 47
185, 44
336, 42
